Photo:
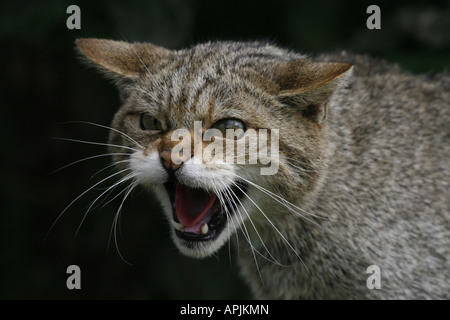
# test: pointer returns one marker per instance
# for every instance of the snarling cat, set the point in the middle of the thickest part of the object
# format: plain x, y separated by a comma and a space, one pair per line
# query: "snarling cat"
361, 151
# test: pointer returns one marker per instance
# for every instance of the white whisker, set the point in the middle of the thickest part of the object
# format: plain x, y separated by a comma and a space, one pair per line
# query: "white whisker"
220, 195
126, 178
89, 158
273, 226
274, 260
246, 235
115, 221
300, 168
95, 143
109, 128
284, 202
82, 194
109, 166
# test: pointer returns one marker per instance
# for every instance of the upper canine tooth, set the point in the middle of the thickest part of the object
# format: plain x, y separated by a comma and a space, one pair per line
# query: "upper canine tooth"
204, 228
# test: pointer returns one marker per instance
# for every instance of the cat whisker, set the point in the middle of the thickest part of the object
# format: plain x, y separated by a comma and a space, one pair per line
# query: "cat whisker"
89, 158
124, 179
247, 236
112, 199
272, 258
301, 168
244, 230
231, 196
109, 128
82, 194
301, 165
96, 143
286, 204
274, 227
290, 206
116, 219
221, 195
110, 165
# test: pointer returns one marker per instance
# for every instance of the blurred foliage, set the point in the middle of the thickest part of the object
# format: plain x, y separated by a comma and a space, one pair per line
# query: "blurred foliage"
43, 85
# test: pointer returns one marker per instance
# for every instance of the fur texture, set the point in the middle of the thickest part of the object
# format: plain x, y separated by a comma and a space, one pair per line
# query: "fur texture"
363, 169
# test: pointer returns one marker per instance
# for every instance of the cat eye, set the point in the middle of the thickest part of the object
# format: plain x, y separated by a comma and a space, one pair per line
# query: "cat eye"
147, 122
234, 124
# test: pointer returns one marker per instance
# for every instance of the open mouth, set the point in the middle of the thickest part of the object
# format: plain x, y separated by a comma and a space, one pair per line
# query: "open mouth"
199, 215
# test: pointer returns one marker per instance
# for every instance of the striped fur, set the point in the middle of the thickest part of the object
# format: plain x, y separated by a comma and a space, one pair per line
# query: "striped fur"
363, 170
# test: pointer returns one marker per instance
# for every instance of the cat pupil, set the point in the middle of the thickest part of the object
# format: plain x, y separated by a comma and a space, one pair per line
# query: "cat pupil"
148, 122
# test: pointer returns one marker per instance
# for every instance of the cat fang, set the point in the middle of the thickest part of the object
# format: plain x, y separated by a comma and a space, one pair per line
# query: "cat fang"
256, 143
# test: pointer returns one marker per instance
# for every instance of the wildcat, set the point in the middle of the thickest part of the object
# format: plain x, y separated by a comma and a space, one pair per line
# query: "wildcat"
363, 165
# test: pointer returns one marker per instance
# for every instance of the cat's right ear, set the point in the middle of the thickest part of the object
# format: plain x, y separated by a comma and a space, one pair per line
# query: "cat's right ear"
122, 60
308, 85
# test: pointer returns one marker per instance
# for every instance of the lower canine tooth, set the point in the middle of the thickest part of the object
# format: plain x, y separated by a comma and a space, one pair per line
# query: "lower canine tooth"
205, 228
178, 226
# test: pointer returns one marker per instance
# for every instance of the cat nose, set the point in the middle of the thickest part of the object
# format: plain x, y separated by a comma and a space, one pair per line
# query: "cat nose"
167, 156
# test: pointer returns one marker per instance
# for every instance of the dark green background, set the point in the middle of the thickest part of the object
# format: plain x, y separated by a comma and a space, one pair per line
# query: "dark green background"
44, 84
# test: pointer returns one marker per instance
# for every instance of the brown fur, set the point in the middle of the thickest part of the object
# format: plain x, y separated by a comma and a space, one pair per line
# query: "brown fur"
363, 167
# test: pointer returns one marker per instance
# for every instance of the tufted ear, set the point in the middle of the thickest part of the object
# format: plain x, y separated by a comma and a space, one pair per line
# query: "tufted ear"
122, 60
309, 85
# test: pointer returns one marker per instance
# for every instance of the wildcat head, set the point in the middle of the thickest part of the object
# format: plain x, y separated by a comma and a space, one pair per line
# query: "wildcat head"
176, 103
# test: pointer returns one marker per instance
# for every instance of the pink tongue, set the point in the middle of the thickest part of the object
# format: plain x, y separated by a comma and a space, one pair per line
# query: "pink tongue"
192, 205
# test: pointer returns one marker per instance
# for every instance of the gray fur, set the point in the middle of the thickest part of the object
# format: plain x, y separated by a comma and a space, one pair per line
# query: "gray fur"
367, 155
386, 193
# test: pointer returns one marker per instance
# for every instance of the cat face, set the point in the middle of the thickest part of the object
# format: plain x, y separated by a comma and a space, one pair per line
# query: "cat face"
205, 199
179, 106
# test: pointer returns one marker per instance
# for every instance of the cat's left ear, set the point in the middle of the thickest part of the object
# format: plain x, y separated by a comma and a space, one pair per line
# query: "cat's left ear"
122, 60
309, 85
